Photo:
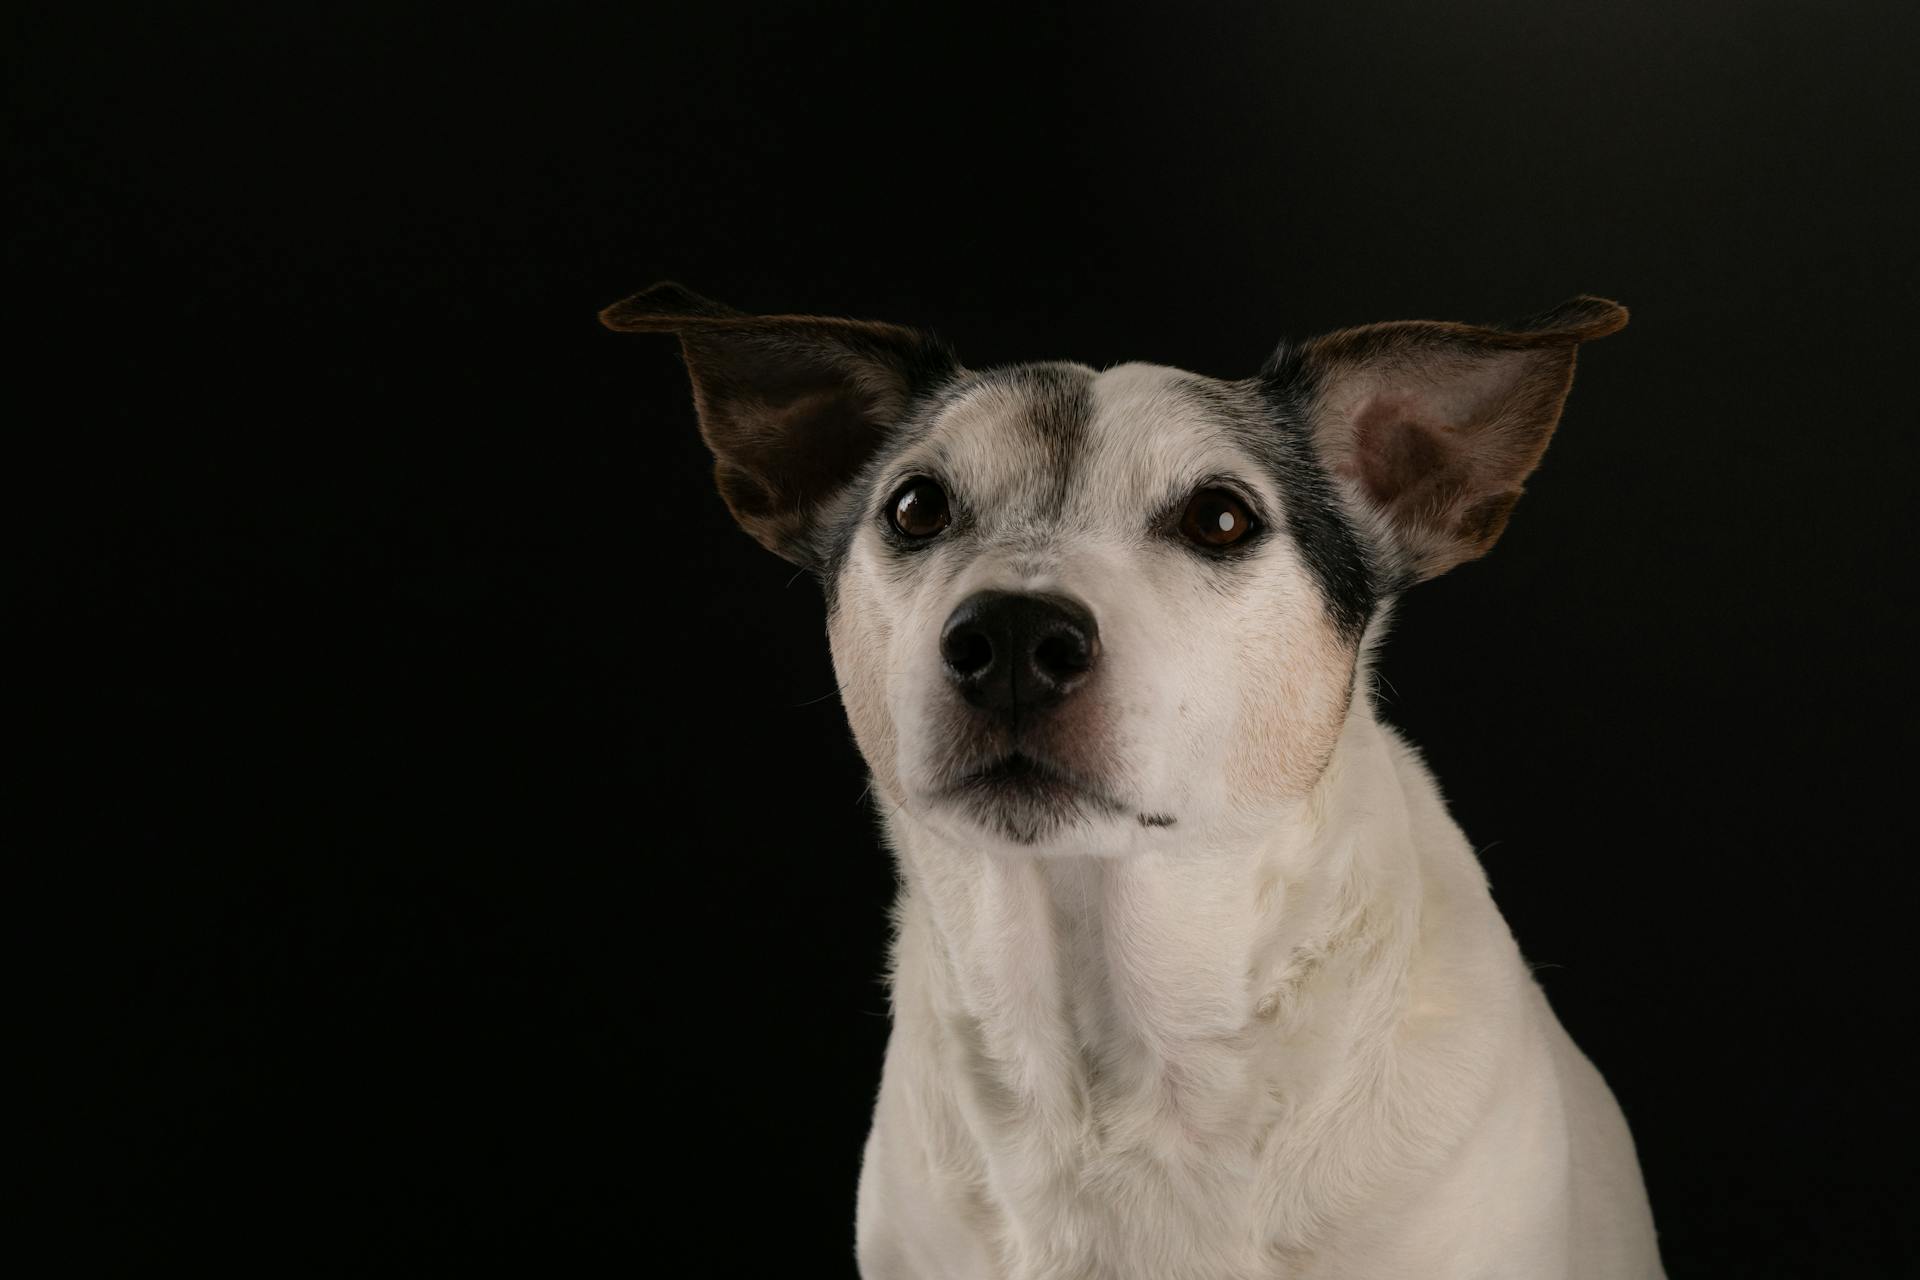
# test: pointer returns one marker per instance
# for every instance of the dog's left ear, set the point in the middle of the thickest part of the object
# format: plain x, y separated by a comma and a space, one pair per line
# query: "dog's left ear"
792, 406
1434, 425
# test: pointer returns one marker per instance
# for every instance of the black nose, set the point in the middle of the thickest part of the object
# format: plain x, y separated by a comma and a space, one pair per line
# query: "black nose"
1009, 653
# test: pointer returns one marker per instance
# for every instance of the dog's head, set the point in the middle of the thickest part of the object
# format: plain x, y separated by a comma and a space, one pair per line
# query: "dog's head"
1073, 610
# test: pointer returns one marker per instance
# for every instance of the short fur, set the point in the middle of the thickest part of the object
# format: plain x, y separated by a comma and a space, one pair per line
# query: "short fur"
1210, 985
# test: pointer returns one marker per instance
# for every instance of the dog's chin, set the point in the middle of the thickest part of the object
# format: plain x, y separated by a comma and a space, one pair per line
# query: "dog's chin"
1028, 801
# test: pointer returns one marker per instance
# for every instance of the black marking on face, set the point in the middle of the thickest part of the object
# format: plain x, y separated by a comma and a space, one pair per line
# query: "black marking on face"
1054, 416
835, 533
1156, 819
1267, 418
1056, 410
1059, 414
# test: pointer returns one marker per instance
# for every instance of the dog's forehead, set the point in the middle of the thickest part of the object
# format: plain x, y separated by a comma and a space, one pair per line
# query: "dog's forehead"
1157, 426
1073, 440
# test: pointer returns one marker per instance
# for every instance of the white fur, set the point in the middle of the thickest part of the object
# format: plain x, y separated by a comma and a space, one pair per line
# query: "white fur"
1288, 1035
1321, 1056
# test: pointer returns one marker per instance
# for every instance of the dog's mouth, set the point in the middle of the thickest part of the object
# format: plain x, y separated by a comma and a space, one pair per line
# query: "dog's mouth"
1018, 773
1027, 798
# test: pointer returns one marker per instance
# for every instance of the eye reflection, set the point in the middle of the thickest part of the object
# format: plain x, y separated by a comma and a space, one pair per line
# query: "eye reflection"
1215, 518
919, 508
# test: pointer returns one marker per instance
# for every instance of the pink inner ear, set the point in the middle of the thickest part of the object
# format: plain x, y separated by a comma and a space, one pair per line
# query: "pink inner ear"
1396, 454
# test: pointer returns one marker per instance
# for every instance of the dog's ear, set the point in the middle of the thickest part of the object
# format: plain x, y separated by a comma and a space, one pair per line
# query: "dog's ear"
792, 406
1433, 426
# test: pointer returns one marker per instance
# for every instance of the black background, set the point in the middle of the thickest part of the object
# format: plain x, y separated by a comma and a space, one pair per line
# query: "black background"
456, 846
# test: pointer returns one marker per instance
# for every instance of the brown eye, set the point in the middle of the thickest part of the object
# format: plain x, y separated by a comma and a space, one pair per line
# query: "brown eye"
1215, 518
919, 508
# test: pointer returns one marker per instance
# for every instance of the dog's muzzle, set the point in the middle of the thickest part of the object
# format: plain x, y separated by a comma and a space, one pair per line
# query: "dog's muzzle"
1012, 655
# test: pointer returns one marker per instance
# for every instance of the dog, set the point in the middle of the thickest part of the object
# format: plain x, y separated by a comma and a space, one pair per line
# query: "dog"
1193, 975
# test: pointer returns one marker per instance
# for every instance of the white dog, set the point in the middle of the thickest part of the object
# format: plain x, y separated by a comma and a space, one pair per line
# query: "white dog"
1194, 976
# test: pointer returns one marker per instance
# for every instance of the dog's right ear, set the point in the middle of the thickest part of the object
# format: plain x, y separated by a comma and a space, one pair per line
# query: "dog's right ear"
792, 406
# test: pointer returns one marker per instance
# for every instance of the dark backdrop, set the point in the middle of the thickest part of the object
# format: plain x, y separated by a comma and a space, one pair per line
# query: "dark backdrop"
455, 844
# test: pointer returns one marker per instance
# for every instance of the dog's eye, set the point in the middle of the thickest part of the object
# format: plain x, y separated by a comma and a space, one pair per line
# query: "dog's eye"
1215, 518
919, 508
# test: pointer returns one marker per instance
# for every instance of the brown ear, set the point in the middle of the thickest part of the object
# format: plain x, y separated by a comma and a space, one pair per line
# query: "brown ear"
1434, 425
792, 406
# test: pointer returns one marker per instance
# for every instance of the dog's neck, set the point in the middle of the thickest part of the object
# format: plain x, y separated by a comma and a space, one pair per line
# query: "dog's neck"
1064, 977
1198, 1001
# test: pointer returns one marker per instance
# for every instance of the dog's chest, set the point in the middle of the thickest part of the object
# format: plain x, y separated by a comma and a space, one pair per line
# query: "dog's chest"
1119, 1106
1127, 1165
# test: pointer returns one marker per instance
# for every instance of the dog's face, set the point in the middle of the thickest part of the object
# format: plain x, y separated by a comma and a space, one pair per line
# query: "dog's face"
1069, 610
1093, 612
